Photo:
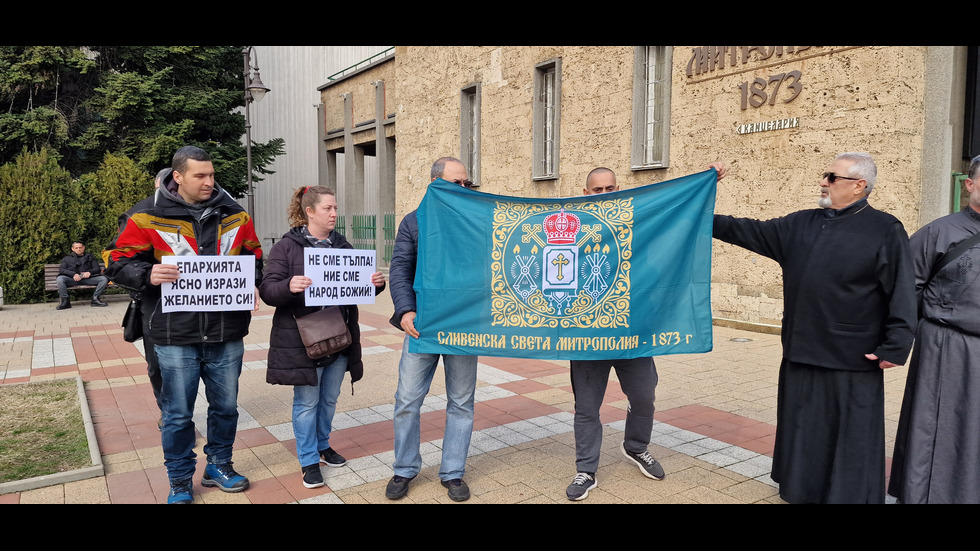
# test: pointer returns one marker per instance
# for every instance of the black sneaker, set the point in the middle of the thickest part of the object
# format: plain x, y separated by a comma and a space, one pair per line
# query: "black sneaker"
458, 490
649, 466
580, 486
397, 487
332, 458
312, 477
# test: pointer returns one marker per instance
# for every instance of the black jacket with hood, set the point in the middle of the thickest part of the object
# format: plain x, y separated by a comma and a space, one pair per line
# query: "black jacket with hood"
288, 363
165, 225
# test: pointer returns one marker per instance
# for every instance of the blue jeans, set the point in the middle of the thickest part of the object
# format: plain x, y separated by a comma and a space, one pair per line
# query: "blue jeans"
182, 367
313, 409
415, 372
64, 282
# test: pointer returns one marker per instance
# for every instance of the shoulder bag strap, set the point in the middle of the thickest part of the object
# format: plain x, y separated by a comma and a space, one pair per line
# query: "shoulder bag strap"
952, 255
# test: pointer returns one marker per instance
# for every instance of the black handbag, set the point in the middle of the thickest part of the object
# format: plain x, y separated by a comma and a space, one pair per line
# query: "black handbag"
132, 322
324, 332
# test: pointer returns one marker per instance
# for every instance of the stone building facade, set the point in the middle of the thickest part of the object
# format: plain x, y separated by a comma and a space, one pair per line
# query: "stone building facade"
534, 120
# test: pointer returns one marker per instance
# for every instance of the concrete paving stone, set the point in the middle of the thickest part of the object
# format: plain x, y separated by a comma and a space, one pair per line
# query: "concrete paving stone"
726, 456
694, 449
324, 499
383, 472
345, 420
506, 435
45, 496
16, 373
751, 491
150, 457
491, 392
518, 457
481, 442
707, 495
754, 467
372, 350
431, 459
364, 416
123, 467
89, 491
217, 497
495, 376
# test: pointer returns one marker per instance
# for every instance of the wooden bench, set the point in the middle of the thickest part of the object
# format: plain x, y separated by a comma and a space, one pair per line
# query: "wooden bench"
51, 278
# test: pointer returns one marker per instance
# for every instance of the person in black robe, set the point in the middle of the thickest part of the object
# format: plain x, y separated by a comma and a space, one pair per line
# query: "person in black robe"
849, 312
937, 446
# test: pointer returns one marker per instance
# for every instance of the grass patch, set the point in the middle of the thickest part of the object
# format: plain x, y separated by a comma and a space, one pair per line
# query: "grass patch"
42, 431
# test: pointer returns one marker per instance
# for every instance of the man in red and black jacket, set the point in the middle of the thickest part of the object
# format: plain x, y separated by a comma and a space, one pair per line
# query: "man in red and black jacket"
189, 216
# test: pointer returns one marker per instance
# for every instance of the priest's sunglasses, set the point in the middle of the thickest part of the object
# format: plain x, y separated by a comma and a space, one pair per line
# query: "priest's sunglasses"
464, 183
831, 177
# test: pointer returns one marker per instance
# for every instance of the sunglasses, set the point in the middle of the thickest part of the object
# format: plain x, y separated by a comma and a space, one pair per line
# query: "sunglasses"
464, 183
831, 177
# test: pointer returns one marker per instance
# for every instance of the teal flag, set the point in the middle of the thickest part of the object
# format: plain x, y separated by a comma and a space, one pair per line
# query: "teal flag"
619, 275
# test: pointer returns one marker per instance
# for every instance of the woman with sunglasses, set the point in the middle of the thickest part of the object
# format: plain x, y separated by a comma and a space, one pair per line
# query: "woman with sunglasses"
316, 383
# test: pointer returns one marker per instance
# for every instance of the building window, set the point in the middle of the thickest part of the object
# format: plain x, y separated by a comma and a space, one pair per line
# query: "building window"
651, 107
546, 120
469, 131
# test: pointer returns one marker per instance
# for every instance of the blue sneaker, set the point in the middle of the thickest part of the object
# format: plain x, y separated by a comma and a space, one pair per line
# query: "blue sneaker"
180, 492
224, 477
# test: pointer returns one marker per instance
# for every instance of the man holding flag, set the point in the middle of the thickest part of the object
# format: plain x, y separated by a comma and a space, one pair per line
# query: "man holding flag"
638, 379
614, 279
415, 371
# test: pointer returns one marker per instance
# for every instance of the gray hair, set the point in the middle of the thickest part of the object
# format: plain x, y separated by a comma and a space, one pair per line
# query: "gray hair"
974, 168
439, 166
864, 168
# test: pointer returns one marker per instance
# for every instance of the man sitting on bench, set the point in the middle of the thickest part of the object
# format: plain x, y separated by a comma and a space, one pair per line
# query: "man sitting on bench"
80, 268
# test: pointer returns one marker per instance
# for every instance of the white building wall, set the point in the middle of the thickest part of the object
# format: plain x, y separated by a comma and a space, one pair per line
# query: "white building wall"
288, 111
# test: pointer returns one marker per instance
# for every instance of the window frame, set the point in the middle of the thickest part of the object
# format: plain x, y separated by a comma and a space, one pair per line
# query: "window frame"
546, 121
651, 151
470, 101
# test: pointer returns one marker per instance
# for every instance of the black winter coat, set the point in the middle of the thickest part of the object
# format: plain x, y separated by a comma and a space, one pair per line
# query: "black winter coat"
165, 225
402, 269
288, 363
74, 264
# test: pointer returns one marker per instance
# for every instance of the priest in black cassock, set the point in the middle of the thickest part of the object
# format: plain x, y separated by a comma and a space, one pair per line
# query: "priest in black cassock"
849, 312
937, 448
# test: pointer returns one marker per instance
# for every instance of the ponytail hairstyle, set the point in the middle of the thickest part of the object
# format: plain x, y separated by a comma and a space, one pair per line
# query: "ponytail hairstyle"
304, 197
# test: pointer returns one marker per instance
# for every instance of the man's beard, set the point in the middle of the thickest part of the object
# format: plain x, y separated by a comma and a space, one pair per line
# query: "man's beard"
824, 202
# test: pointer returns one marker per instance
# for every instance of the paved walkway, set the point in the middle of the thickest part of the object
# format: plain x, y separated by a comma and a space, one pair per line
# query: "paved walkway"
713, 430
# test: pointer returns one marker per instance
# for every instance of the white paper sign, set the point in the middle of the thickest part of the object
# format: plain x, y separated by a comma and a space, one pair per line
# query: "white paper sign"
340, 276
210, 284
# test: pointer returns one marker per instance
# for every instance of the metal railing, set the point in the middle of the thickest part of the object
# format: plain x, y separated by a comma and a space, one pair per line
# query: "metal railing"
343, 72
958, 194
362, 231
